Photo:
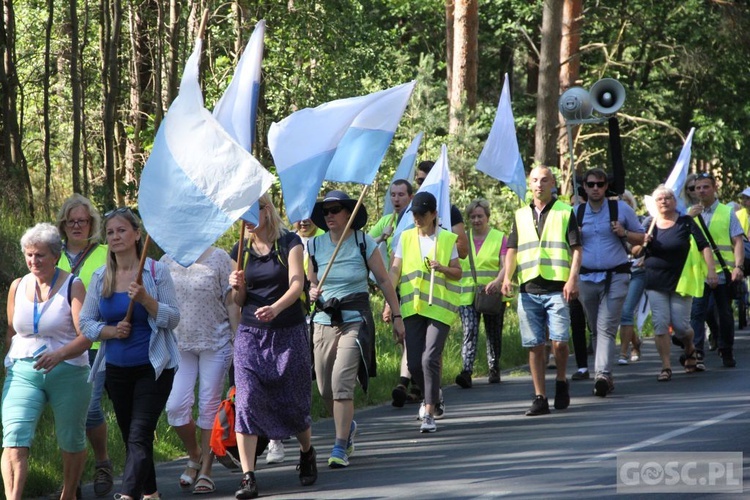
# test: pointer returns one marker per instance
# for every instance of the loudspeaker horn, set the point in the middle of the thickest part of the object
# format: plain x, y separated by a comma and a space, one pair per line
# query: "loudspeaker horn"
575, 104
607, 96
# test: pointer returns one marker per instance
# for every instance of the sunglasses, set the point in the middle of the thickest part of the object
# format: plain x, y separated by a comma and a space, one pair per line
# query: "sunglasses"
599, 184
332, 210
118, 211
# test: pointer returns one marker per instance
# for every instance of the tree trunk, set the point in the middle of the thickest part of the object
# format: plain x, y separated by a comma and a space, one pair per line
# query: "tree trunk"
45, 105
570, 67
111, 30
15, 183
75, 83
83, 85
449, 10
463, 90
174, 51
545, 144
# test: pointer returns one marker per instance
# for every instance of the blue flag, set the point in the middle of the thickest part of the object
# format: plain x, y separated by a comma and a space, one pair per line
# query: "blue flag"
237, 110
342, 141
404, 171
501, 158
197, 181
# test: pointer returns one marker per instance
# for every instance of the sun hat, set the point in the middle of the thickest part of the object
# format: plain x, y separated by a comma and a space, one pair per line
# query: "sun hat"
319, 219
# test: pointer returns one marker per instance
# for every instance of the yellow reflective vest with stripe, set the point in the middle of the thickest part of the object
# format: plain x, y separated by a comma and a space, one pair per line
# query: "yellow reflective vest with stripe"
742, 215
719, 229
693, 274
486, 262
415, 279
548, 256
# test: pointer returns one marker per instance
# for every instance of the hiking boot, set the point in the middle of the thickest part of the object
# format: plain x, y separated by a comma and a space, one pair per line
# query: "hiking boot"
428, 424
463, 379
581, 375
603, 385
275, 453
399, 396
727, 358
562, 394
307, 467
540, 406
494, 376
248, 487
104, 480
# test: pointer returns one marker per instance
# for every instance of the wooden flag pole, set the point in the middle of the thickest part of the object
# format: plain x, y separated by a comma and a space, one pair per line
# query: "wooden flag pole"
650, 230
241, 248
432, 269
139, 276
343, 237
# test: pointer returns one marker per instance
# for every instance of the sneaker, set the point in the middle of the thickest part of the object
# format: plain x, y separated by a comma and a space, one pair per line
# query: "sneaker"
540, 406
603, 385
622, 360
422, 412
562, 394
248, 487
350, 440
551, 362
581, 374
439, 408
494, 376
700, 365
635, 353
338, 458
463, 379
399, 396
428, 424
104, 480
275, 453
307, 467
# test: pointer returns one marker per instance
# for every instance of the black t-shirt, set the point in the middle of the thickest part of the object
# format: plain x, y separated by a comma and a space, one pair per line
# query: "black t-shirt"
667, 252
267, 280
540, 285
456, 217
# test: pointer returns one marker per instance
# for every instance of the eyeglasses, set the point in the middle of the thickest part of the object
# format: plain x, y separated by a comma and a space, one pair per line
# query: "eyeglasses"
118, 211
77, 222
691, 188
599, 184
332, 210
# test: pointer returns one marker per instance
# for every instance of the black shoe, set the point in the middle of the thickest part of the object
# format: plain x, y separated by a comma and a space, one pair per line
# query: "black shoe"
579, 375
727, 358
307, 467
248, 487
603, 385
399, 396
494, 376
464, 379
562, 394
540, 406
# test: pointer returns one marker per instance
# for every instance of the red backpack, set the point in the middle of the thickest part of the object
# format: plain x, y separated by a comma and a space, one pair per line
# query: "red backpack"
223, 438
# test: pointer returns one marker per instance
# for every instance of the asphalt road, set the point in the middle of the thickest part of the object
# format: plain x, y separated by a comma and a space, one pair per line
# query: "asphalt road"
486, 448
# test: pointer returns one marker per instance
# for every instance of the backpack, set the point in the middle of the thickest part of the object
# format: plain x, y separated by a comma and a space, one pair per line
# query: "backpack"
613, 213
362, 250
223, 438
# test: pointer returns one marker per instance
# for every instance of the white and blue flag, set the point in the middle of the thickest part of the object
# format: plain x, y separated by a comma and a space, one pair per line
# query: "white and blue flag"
437, 183
341, 141
678, 176
237, 110
197, 181
501, 158
404, 171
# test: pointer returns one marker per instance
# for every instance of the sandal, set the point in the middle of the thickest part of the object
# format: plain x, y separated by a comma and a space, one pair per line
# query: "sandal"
204, 485
190, 475
691, 362
665, 375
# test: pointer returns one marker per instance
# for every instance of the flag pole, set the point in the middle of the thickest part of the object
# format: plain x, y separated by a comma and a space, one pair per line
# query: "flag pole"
343, 236
241, 247
432, 269
650, 230
139, 276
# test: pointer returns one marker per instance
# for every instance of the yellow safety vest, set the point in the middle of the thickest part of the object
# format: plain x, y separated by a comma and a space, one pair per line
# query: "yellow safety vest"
548, 256
693, 274
719, 229
486, 262
415, 279
744, 219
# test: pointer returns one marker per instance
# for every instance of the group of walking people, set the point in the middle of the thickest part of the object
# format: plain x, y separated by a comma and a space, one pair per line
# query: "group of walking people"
91, 315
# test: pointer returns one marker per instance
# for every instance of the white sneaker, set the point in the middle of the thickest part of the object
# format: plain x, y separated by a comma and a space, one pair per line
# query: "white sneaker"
421, 413
275, 454
428, 424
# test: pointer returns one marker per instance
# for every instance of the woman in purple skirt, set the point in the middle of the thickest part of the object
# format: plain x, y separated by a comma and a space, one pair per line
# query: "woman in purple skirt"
271, 350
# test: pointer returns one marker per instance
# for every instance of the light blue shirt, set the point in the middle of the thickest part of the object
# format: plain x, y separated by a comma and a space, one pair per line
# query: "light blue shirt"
162, 350
603, 249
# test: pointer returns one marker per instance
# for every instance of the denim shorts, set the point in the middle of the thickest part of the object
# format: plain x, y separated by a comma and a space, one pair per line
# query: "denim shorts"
535, 312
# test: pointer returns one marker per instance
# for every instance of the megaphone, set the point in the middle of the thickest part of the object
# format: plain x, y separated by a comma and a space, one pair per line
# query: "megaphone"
607, 96
575, 104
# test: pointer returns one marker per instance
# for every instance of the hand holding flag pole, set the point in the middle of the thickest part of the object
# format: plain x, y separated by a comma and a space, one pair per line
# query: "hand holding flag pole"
241, 247
432, 269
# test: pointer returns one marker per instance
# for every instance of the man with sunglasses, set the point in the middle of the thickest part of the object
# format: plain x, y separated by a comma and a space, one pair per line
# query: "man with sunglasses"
544, 246
605, 269
724, 232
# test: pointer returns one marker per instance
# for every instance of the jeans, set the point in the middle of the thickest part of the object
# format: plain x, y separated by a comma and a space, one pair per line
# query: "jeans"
95, 416
138, 399
537, 311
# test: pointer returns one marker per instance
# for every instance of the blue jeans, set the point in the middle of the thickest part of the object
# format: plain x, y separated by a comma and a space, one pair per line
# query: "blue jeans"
95, 416
537, 311
635, 291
